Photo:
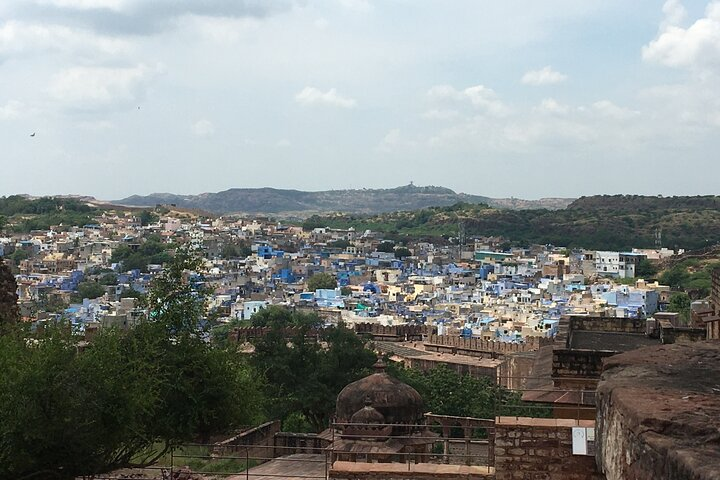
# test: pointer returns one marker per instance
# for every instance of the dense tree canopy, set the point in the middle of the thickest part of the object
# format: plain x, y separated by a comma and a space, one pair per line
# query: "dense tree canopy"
152, 251
386, 247
321, 281
128, 397
89, 290
446, 392
9, 312
305, 373
680, 303
147, 217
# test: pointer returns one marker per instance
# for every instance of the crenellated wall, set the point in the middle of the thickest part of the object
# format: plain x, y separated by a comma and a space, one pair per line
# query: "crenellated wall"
477, 347
397, 333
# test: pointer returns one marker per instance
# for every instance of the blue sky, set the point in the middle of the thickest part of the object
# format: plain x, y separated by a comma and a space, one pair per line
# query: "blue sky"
514, 98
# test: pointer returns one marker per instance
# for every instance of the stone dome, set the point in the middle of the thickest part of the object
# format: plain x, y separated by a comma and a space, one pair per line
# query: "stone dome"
367, 414
368, 424
397, 402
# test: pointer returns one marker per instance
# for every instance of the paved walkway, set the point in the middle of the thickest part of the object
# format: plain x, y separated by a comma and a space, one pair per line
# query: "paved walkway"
299, 466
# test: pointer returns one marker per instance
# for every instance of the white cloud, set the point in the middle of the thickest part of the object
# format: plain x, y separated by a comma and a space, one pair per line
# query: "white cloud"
435, 114
283, 143
543, 127
94, 88
357, 5
84, 4
544, 76
313, 96
144, 17
10, 110
552, 106
203, 128
696, 47
20, 38
321, 23
479, 96
394, 140
694, 105
609, 109
675, 13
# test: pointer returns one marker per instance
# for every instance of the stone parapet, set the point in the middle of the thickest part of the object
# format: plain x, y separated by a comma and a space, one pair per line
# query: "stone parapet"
658, 413
540, 449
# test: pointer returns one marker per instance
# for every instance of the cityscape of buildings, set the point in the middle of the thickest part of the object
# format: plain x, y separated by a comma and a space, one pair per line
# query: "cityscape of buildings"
543, 321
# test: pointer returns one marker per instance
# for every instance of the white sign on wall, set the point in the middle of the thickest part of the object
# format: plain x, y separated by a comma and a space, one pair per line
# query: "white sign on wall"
583, 441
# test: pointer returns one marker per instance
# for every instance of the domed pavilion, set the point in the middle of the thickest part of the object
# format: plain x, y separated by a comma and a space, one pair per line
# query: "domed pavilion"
380, 419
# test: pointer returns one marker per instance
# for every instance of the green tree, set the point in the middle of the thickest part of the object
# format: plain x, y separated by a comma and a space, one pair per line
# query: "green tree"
679, 302
321, 281
19, 255
446, 392
9, 310
277, 317
339, 244
152, 251
402, 252
239, 249
132, 293
51, 303
127, 399
646, 269
229, 250
90, 290
303, 376
674, 277
108, 279
147, 217
387, 247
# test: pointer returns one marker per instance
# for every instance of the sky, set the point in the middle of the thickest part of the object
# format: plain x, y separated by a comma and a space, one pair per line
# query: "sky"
528, 99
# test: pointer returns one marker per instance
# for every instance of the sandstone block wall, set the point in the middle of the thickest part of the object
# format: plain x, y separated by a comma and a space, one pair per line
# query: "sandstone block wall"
257, 443
573, 364
476, 371
658, 413
607, 324
540, 449
479, 347
395, 332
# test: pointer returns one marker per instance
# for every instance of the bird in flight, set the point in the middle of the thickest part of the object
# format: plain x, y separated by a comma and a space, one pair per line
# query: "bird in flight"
32, 134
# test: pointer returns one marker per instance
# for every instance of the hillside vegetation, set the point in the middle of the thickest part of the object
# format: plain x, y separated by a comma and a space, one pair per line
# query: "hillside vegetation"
357, 201
601, 222
25, 214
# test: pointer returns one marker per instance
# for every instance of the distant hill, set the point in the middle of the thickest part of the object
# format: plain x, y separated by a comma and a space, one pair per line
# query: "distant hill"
300, 203
616, 222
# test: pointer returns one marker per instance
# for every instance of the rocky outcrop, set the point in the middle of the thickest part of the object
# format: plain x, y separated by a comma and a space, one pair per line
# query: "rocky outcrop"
658, 413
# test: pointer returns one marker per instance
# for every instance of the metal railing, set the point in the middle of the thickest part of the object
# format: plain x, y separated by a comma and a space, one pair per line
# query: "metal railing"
441, 440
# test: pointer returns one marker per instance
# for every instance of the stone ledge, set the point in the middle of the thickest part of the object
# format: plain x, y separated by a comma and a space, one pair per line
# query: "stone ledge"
543, 422
659, 413
357, 470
